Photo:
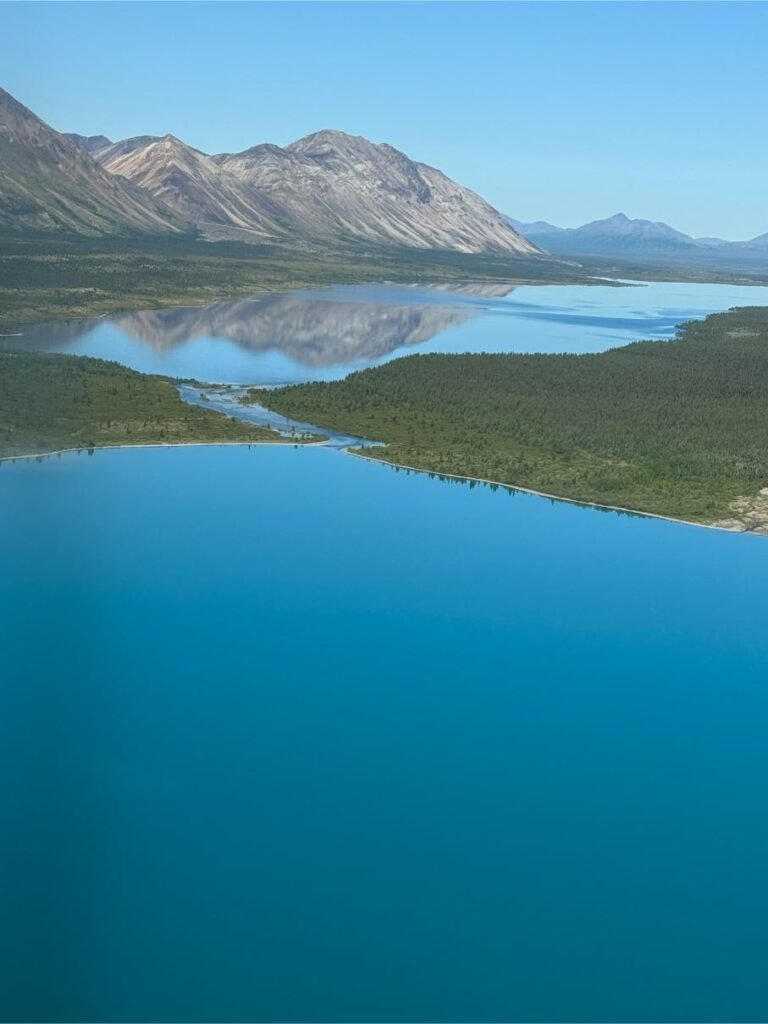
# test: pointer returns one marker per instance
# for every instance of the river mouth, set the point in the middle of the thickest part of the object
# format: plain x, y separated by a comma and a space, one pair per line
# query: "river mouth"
228, 399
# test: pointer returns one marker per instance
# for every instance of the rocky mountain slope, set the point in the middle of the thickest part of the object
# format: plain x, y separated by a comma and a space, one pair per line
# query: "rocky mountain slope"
195, 186
326, 186
94, 144
332, 184
49, 183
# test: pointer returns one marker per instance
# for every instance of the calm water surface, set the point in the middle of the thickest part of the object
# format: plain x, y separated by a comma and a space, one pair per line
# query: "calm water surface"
309, 335
287, 736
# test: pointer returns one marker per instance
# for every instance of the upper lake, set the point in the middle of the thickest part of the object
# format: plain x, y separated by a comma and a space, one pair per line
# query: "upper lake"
320, 335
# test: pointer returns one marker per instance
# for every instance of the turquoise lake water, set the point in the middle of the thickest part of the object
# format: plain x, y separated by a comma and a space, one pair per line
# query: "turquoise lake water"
325, 334
290, 736
286, 735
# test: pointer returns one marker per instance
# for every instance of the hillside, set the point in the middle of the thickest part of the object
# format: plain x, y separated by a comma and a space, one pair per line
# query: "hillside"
194, 185
48, 183
326, 187
336, 185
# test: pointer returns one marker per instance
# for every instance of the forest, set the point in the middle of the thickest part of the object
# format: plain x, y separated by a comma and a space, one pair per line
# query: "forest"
54, 402
677, 428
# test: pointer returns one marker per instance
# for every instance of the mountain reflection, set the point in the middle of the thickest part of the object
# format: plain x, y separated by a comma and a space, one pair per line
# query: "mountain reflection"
340, 327
312, 331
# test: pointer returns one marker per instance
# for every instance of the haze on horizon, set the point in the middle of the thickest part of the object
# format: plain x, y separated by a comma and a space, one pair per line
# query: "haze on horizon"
566, 112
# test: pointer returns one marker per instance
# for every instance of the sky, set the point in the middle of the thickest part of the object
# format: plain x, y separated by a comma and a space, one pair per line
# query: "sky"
566, 112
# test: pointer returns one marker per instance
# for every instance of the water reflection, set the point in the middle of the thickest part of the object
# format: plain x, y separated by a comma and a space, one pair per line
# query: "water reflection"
305, 329
326, 333
311, 331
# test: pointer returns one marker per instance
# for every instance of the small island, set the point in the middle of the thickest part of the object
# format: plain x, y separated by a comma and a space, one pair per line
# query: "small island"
670, 428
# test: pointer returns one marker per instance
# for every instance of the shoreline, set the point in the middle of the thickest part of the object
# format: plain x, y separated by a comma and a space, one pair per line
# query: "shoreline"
394, 465
554, 497
163, 444
258, 291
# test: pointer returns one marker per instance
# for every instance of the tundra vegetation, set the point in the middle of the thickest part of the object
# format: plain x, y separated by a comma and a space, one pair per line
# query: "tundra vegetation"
42, 279
678, 428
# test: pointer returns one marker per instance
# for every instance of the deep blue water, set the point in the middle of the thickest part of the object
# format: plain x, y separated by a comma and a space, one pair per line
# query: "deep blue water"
285, 735
325, 334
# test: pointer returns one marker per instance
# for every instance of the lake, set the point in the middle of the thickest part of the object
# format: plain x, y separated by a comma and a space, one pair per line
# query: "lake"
286, 735
290, 736
324, 334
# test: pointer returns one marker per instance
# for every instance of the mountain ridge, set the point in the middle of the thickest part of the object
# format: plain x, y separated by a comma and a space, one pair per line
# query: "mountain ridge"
620, 234
327, 184
325, 187
48, 182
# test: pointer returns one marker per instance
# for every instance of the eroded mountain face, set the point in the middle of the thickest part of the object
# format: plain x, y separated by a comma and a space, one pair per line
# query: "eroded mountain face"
194, 185
50, 183
327, 185
330, 183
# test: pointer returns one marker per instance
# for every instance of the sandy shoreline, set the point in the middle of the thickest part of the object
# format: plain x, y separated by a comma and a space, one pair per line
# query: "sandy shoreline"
552, 497
394, 465
163, 444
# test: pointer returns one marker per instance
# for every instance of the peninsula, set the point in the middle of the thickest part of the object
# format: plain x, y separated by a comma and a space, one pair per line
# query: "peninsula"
672, 428
52, 403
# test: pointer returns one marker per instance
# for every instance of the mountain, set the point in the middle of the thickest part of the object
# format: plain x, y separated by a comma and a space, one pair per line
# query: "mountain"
50, 183
93, 144
633, 239
195, 186
330, 184
113, 149
711, 243
757, 246
326, 186
619, 235
533, 228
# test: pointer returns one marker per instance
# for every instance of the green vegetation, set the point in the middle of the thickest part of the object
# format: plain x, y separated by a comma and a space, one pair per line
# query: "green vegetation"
676, 428
43, 279
53, 402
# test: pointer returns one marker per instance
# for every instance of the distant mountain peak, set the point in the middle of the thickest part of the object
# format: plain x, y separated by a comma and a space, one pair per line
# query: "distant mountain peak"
328, 137
174, 142
533, 228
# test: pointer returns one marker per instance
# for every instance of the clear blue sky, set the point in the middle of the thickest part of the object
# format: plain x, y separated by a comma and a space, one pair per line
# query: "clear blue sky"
561, 111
